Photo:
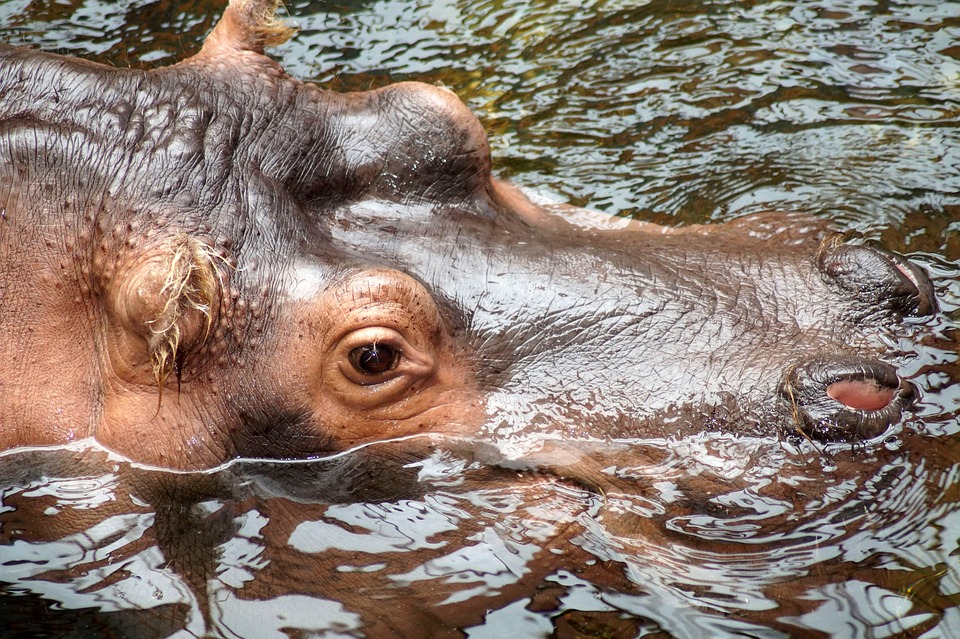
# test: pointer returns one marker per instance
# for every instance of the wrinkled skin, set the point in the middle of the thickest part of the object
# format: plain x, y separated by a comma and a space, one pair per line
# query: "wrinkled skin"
215, 260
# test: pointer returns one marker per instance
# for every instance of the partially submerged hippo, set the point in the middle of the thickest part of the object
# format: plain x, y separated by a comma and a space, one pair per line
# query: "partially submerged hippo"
214, 260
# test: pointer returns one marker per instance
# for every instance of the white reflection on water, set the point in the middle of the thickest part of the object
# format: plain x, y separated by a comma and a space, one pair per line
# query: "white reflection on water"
854, 609
276, 618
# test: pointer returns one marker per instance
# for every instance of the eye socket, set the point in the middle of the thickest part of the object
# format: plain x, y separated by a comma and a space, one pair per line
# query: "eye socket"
374, 359
381, 348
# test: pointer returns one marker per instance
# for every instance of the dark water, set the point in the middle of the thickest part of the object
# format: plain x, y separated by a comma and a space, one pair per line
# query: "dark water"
676, 112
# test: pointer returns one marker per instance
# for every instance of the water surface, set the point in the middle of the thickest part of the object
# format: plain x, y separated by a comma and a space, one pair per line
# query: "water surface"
669, 111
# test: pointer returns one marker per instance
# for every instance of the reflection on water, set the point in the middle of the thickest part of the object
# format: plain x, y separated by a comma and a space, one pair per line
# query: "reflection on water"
715, 536
676, 112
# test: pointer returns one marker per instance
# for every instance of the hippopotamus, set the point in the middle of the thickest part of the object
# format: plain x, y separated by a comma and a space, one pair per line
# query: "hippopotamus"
214, 260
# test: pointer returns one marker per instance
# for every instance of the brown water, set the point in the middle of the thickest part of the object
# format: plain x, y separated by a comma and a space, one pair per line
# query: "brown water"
676, 112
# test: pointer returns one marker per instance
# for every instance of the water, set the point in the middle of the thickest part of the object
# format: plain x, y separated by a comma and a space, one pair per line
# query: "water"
674, 112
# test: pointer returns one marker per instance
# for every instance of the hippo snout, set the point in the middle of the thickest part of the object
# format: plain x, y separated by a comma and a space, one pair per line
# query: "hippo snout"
851, 397
847, 398
259, 267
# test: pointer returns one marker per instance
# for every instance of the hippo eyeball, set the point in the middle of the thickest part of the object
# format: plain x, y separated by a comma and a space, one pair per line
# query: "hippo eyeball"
374, 359
380, 356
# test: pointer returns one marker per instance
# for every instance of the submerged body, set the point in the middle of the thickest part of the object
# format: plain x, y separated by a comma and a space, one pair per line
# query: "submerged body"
215, 260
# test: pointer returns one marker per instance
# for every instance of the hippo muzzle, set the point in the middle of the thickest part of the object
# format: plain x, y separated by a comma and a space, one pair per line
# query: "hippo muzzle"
215, 260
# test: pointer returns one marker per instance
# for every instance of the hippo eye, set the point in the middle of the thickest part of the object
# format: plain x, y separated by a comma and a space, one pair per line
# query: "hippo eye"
382, 346
381, 358
374, 359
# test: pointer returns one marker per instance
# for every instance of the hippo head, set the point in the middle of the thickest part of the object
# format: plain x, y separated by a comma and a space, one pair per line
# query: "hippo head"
215, 260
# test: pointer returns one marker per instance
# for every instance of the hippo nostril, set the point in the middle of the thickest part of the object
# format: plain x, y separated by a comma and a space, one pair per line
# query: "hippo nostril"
878, 278
861, 394
920, 299
845, 398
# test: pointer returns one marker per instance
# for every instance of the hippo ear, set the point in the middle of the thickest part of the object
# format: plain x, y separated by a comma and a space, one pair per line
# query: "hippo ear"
247, 25
166, 302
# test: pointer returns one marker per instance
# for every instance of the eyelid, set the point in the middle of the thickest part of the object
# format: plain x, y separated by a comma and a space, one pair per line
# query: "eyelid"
374, 335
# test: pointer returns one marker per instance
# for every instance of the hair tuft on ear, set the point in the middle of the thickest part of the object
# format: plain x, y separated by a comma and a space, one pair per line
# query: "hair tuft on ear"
190, 289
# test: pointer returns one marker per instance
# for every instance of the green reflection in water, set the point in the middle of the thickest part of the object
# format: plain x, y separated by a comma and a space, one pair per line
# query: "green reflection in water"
676, 112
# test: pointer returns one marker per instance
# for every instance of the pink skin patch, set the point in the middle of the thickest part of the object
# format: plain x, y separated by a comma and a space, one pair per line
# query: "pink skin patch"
907, 274
861, 394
